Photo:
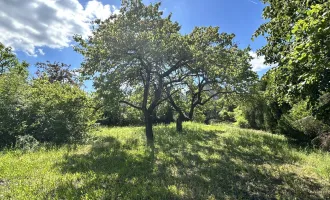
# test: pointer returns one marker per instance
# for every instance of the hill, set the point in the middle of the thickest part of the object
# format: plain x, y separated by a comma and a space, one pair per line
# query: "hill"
204, 162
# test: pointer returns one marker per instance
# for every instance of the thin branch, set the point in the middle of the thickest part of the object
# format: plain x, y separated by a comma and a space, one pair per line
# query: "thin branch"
214, 95
130, 104
174, 67
167, 97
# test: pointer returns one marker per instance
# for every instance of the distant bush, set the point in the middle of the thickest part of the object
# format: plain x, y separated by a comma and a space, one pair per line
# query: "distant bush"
26, 143
241, 121
296, 121
303, 121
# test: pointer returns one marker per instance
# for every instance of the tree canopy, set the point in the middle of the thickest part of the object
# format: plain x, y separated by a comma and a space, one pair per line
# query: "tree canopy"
298, 41
139, 51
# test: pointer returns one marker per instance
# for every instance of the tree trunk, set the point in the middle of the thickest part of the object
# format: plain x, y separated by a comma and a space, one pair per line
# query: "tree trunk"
207, 121
149, 131
179, 124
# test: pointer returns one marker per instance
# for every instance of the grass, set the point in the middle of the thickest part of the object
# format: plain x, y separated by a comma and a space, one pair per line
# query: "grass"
205, 162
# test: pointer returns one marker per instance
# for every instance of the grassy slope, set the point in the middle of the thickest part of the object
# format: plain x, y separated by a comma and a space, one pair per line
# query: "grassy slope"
206, 162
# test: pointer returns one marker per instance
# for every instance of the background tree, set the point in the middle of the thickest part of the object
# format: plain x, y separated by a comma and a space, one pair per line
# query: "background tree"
7, 58
219, 68
56, 71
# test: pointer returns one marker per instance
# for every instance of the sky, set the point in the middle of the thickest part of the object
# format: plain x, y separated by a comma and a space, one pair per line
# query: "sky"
42, 30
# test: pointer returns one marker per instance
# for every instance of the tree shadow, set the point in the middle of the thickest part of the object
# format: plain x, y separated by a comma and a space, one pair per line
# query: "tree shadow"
196, 164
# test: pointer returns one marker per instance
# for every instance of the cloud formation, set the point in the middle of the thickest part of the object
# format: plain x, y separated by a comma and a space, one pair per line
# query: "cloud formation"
28, 25
258, 62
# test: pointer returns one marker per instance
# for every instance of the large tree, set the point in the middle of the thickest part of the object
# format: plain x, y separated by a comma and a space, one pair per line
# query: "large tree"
136, 50
220, 68
298, 40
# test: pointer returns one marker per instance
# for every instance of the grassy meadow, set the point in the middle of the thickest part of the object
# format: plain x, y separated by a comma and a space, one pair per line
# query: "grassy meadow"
204, 162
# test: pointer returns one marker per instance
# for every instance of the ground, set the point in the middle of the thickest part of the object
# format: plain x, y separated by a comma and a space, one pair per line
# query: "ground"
204, 162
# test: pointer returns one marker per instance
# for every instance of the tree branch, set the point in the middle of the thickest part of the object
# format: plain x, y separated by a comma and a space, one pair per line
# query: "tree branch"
214, 95
174, 67
130, 104
167, 97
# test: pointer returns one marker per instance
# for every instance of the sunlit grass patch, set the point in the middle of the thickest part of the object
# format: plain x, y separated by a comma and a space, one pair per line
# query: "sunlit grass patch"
204, 162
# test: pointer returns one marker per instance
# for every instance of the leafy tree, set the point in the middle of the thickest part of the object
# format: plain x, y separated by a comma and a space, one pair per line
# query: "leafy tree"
219, 68
13, 88
7, 58
298, 40
137, 50
9, 62
57, 72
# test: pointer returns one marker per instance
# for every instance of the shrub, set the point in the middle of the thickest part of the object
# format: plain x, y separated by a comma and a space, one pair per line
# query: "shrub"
13, 90
241, 121
57, 112
26, 143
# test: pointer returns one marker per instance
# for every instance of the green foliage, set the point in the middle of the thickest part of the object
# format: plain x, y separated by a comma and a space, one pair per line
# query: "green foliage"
12, 102
135, 52
298, 41
13, 90
241, 121
49, 111
205, 162
58, 112
8, 59
140, 58
220, 69
26, 143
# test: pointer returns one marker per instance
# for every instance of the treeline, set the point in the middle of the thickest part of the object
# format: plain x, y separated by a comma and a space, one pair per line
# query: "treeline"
294, 97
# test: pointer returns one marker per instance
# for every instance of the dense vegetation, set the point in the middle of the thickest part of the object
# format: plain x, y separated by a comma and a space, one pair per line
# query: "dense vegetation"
146, 72
41, 109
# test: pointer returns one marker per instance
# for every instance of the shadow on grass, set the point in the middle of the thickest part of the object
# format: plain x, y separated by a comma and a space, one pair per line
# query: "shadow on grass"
197, 164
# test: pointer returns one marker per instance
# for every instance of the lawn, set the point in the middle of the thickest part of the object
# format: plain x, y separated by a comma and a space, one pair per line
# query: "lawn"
204, 162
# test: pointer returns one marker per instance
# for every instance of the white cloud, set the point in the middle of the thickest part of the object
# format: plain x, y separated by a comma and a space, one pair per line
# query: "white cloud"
41, 52
26, 25
253, 2
258, 62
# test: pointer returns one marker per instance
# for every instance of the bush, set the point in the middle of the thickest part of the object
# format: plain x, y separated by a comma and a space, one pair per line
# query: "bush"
241, 121
58, 113
49, 112
13, 90
26, 143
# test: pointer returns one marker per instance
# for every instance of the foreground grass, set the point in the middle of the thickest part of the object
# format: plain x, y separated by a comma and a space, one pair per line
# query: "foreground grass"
205, 162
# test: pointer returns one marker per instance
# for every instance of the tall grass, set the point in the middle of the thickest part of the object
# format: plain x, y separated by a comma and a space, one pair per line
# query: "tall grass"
204, 162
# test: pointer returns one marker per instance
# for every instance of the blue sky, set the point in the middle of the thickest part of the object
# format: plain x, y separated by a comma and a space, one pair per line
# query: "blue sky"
241, 17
